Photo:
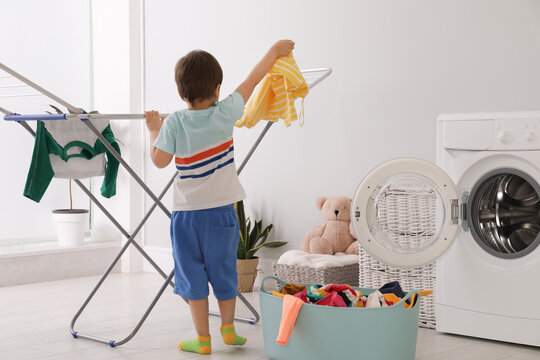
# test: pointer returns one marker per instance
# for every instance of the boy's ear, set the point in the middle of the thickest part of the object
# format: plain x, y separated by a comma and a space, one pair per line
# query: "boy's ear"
216, 92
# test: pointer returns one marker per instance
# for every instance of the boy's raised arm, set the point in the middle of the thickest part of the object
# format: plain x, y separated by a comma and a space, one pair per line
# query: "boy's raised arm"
280, 48
153, 122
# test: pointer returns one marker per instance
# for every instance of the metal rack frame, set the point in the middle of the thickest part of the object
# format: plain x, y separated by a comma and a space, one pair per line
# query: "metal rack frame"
313, 77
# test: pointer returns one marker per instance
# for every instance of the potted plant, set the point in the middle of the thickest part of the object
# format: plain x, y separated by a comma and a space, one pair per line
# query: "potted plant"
251, 240
70, 224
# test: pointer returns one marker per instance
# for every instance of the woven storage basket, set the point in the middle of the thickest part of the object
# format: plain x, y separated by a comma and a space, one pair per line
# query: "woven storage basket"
347, 274
374, 274
406, 215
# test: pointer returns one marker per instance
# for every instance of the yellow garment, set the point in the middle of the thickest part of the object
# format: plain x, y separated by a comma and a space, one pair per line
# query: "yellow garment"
291, 289
274, 96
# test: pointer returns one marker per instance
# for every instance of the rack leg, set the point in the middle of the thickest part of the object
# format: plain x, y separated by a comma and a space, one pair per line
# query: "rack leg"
113, 343
117, 258
122, 230
130, 241
126, 166
252, 150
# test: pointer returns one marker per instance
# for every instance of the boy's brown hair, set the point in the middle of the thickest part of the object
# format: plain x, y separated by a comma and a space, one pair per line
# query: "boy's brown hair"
197, 74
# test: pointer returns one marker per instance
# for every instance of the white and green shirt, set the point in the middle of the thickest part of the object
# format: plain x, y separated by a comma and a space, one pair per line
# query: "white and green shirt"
202, 144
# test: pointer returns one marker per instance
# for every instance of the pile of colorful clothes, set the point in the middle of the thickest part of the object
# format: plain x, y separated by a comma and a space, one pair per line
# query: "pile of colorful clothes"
342, 295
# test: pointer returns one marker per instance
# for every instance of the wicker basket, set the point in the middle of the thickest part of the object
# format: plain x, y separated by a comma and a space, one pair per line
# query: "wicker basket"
347, 274
374, 274
406, 215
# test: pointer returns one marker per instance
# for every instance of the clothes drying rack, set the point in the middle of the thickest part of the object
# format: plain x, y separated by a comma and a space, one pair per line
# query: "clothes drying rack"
312, 76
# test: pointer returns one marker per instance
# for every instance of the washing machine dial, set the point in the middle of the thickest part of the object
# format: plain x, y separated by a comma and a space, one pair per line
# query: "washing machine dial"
505, 137
530, 136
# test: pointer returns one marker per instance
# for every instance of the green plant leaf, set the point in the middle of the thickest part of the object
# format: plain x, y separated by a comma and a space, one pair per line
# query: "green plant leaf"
262, 236
253, 235
274, 244
58, 111
239, 207
270, 244
241, 251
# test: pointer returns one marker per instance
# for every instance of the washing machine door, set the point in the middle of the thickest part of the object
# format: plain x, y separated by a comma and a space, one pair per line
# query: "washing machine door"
405, 212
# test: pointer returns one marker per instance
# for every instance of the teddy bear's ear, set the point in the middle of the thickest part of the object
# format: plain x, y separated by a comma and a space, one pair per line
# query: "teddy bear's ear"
320, 202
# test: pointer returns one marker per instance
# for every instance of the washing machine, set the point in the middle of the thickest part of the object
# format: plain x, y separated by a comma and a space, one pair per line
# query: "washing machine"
477, 214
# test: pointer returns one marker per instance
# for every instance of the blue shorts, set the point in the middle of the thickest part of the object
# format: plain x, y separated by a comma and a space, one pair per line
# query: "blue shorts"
204, 245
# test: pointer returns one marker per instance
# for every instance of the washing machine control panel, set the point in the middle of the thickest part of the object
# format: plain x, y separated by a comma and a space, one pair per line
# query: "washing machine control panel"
490, 131
516, 134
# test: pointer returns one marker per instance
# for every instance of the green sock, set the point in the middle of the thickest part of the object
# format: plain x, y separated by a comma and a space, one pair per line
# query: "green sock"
200, 345
230, 337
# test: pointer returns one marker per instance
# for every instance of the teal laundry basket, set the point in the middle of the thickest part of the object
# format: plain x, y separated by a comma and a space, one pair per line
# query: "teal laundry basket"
325, 332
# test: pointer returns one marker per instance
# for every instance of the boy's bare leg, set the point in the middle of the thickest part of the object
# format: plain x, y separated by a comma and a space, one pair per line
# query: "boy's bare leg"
199, 313
226, 308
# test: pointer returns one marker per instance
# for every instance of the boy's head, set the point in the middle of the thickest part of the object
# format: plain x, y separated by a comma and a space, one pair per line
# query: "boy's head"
198, 76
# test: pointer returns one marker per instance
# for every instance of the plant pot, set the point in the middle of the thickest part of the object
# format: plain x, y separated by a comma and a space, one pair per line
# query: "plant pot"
247, 272
70, 226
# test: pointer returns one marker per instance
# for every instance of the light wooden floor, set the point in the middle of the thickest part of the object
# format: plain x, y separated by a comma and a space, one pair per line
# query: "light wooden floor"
34, 324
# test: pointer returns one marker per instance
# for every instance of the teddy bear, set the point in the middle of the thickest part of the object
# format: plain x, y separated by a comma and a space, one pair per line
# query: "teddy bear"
336, 234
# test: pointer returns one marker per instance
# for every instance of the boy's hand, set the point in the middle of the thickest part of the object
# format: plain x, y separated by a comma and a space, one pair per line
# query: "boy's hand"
153, 121
283, 47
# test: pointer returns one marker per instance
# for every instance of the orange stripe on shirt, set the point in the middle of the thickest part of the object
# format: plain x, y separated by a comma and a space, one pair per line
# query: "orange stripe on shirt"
204, 154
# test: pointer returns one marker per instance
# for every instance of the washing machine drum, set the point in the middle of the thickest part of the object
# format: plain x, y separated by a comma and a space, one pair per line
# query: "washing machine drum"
505, 213
405, 212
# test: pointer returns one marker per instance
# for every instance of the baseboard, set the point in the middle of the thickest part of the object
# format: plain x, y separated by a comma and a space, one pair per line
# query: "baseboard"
57, 263
163, 258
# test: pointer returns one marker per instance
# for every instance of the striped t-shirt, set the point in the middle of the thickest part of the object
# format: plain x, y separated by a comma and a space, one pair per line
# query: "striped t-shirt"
202, 144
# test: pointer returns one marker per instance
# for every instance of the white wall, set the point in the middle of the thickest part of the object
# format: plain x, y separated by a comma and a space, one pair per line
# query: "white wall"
48, 42
117, 50
79, 50
396, 66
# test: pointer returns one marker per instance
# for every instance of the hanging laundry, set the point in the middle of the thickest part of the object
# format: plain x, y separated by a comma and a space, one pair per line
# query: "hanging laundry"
273, 98
64, 140
291, 308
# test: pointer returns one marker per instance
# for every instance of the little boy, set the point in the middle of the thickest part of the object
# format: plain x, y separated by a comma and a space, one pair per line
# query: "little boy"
204, 226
